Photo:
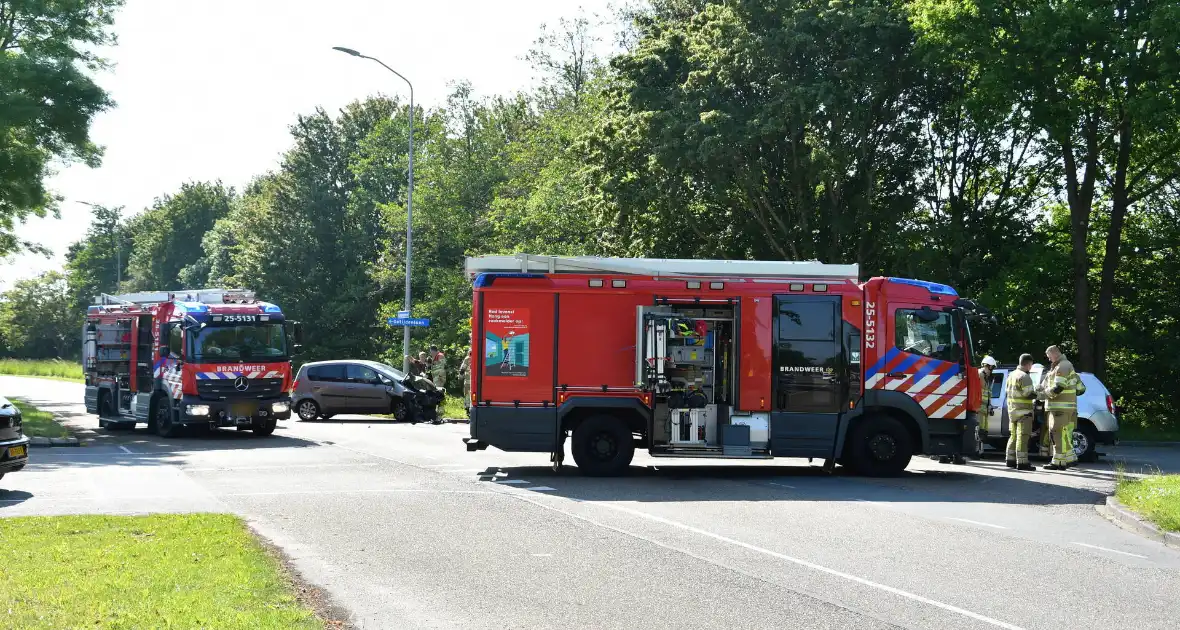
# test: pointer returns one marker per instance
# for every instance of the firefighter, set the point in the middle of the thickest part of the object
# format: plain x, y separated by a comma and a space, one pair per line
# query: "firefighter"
1021, 398
438, 368
1060, 391
985, 379
465, 373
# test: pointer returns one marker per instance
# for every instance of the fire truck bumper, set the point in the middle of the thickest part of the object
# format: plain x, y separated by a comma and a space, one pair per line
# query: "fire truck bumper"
233, 413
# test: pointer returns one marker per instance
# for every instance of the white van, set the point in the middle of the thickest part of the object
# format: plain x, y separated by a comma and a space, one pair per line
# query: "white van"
1097, 416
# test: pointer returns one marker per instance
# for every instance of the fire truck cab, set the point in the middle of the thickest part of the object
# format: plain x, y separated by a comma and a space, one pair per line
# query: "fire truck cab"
203, 358
718, 359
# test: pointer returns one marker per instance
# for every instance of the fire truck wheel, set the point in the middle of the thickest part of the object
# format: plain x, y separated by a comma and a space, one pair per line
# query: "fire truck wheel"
264, 427
603, 446
881, 447
166, 425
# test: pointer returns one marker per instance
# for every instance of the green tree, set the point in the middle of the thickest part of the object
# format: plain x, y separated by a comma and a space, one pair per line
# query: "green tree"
47, 99
782, 129
167, 251
1098, 78
37, 320
98, 262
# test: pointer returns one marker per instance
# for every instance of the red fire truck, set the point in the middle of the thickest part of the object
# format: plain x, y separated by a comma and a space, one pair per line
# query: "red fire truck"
718, 359
171, 359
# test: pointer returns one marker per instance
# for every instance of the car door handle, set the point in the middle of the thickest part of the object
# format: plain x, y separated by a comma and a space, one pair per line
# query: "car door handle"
897, 375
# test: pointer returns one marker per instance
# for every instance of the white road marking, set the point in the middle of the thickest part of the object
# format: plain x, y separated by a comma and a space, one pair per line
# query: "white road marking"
125, 449
967, 520
513, 481
1133, 555
781, 485
744, 545
542, 489
283, 467
391, 490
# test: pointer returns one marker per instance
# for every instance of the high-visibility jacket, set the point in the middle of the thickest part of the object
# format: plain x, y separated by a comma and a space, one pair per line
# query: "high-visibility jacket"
985, 401
1021, 394
1062, 387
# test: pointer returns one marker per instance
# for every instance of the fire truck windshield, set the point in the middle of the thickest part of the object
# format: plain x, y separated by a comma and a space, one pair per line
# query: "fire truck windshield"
228, 342
935, 339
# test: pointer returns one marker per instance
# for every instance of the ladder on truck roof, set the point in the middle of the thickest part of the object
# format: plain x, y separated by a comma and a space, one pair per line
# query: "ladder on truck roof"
204, 296
658, 267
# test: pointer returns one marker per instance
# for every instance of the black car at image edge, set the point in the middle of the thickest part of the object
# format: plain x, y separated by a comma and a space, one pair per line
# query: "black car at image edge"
14, 446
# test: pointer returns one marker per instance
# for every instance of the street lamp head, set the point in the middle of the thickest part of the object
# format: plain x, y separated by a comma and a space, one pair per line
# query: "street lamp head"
347, 50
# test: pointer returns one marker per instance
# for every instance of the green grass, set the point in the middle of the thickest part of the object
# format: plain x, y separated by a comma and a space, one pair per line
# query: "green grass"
1148, 434
39, 423
157, 571
61, 370
1156, 497
452, 407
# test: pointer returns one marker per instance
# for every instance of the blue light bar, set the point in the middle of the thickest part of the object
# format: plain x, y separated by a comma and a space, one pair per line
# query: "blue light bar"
267, 307
191, 307
486, 279
933, 287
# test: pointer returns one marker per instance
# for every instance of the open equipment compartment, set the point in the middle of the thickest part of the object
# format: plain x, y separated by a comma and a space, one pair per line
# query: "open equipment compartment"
685, 356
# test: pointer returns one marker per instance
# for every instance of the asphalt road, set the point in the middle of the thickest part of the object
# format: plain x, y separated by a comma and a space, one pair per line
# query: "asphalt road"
407, 530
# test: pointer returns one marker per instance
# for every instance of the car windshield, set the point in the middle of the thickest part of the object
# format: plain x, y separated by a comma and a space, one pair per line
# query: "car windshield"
228, 342
388, 370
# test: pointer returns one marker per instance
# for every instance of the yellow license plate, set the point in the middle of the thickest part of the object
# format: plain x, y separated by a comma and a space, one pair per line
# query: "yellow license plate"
16, 451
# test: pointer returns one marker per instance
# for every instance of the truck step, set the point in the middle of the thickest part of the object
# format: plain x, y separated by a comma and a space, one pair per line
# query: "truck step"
708, 455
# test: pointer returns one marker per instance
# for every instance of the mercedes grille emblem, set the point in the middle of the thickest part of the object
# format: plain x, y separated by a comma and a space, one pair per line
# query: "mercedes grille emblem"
241, 384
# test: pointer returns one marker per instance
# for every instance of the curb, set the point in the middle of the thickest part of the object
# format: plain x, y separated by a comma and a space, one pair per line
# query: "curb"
44, 441
1123, 516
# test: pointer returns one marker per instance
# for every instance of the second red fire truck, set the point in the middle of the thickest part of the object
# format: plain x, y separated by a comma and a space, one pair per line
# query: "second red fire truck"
201, 358
718, 359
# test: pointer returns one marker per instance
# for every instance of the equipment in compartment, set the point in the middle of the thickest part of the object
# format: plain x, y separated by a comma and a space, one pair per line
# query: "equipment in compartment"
694, 426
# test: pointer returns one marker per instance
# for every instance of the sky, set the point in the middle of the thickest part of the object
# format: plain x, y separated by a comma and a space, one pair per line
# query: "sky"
206, 90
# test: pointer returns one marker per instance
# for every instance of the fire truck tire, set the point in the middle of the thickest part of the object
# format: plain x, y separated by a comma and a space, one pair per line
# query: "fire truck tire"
880, 447
264, 427
166, 425
106, 409
603, 446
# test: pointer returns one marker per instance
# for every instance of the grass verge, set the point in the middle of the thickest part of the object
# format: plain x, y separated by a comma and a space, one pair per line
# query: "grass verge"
60, 370
157, 571
1132, 432
39, 423
1156, 498
453, 408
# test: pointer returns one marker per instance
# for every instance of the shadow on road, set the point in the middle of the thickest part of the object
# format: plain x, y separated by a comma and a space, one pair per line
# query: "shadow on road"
13, 497
675, 483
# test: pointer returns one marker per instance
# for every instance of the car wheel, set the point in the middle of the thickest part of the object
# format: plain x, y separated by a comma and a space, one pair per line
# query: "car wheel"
106, 409
880, 447
603, 446
399, 411
1085, 441
308, 410
166, 425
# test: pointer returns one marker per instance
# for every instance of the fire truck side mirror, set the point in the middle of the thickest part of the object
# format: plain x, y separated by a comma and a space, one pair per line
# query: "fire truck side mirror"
297, 329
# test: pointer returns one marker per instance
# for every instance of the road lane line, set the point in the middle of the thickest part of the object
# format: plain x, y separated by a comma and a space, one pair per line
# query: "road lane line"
744, 545
781, 485
542, 489
512, 481
282, 467
967, 520
1133, 555
125, 449
392, 490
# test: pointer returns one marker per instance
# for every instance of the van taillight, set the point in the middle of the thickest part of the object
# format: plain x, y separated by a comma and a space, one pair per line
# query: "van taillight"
1110, 404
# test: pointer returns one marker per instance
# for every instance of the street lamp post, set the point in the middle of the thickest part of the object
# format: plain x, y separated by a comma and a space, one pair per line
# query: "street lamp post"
409, 202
